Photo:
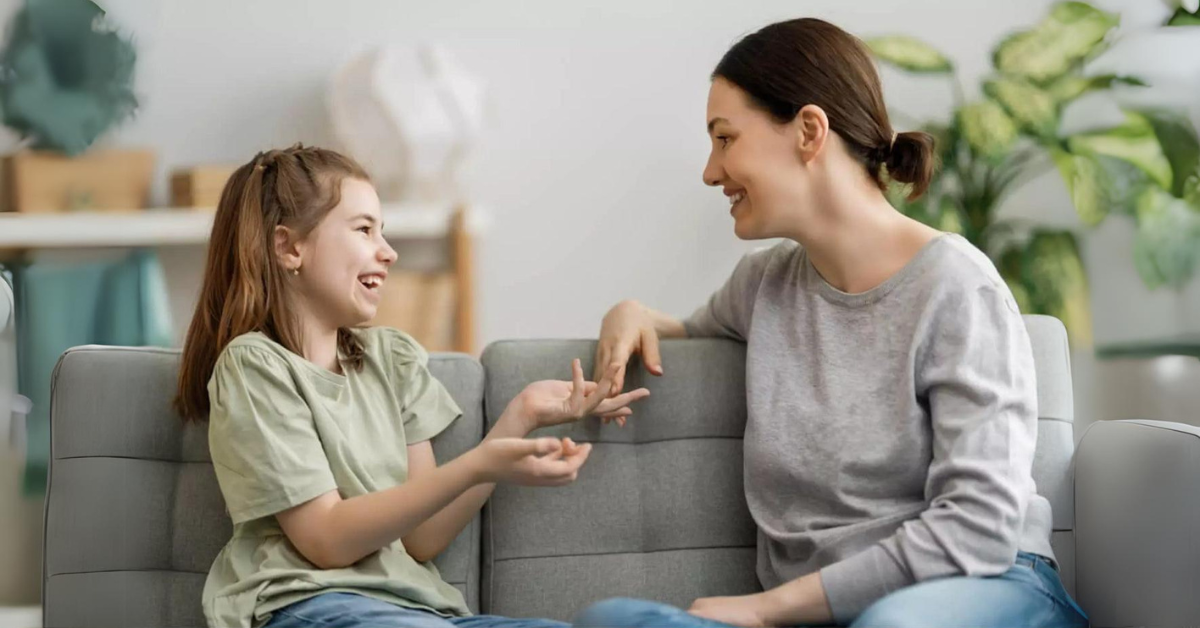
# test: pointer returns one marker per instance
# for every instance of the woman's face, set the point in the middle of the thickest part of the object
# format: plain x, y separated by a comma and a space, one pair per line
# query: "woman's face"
759, 163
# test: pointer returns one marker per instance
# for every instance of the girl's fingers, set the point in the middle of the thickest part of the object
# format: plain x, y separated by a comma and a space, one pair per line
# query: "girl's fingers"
598, 394
612, 404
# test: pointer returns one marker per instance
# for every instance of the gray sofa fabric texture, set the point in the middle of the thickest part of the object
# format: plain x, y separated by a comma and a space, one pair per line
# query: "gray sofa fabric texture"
134, 516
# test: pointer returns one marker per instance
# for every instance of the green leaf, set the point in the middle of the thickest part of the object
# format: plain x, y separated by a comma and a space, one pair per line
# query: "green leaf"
989, 131
1057, 44
1191, 190
1052, 273
1179, 143
1032, 107
1009, 266
1100, 185
950, 218
1085, 182
1071, 86
1134, 141
1167, 245
1183, 18
910, 53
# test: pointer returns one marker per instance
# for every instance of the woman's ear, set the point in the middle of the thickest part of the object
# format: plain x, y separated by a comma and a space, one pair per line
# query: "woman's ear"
812, 130
287, 248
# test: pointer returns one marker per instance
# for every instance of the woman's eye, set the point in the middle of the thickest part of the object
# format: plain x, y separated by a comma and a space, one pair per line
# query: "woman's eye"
723, 139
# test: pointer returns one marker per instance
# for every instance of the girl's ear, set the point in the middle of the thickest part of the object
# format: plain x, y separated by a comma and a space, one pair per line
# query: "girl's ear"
287, 248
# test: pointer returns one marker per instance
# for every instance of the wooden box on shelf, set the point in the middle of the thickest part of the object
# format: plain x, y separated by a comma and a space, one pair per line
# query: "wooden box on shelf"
199, 186
99, 180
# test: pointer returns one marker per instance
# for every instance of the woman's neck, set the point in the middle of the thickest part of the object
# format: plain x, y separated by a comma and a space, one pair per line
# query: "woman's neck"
856, 240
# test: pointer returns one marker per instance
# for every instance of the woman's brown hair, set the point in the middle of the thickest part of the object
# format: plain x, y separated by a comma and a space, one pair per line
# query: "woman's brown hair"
788, 65
245, 288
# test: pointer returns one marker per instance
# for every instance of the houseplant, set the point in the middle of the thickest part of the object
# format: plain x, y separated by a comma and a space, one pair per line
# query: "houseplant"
66, 77
1145, 168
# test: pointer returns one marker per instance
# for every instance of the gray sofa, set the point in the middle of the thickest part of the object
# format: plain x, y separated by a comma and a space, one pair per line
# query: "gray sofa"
134, 516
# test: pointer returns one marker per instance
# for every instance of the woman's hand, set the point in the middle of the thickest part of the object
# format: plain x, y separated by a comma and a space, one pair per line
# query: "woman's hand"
628, 328
553, 402
743, 610
530, 462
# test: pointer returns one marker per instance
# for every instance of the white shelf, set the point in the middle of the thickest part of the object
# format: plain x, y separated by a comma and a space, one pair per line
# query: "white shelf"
174, 227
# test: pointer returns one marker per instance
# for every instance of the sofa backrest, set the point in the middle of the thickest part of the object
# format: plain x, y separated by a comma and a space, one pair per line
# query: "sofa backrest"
659, 512
134, 516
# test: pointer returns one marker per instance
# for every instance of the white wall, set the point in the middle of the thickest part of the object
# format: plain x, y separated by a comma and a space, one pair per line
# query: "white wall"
592, 157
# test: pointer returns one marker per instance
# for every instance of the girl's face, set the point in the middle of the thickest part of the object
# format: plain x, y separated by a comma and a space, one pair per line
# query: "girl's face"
761, 165
344, 260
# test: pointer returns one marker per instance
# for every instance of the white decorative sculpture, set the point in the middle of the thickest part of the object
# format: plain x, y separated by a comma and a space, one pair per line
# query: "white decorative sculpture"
410, 117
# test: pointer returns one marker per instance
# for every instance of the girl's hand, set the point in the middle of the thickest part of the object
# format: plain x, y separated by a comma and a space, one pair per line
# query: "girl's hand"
554, 402
531, 462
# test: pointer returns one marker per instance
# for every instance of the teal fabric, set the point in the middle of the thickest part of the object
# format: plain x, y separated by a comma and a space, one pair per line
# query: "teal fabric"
63, 305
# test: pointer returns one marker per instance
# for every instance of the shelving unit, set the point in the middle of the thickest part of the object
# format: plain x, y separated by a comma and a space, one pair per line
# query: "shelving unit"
169, 227
172, 227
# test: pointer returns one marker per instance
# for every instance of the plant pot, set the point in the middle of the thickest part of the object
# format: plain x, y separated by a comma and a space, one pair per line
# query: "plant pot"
100, 180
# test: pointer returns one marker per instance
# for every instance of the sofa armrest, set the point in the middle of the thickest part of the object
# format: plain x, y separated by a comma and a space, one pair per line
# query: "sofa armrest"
1137, 517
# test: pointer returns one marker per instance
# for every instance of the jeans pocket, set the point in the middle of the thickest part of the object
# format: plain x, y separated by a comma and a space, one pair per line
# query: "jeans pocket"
1052, 583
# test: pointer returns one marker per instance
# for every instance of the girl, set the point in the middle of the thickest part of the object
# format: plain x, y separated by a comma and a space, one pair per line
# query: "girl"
319, 429
890, 384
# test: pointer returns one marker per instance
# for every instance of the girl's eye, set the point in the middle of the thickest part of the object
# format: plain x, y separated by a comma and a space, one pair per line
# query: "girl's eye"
365, 229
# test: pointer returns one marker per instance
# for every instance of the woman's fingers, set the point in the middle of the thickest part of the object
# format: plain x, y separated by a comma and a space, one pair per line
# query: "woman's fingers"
650, 355
603, 357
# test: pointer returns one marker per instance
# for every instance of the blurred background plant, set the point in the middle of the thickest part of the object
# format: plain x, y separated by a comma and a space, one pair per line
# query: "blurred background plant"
1145, 168
66, 75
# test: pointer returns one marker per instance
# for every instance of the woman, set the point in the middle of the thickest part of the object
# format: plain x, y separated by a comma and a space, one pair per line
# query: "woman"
891, 395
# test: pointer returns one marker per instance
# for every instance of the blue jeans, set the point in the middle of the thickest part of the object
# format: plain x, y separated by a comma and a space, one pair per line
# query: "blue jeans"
348, 610
1029, 595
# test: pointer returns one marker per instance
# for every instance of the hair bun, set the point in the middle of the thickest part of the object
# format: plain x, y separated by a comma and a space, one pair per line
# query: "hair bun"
911, 160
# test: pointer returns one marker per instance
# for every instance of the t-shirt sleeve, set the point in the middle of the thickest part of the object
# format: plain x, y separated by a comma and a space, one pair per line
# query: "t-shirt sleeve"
727, 312
977, 372
426, 407
265, 449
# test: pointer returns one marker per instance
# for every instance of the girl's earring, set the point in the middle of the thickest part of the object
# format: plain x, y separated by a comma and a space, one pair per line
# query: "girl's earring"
296, 271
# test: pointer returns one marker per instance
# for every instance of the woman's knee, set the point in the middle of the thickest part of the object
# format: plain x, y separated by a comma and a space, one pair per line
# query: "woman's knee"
893, 612
623, 612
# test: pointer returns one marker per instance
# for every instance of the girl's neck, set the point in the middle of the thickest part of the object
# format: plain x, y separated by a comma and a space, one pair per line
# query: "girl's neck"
319, 342
856, 240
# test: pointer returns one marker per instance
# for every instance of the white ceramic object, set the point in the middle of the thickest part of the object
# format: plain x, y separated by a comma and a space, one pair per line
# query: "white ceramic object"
410, 117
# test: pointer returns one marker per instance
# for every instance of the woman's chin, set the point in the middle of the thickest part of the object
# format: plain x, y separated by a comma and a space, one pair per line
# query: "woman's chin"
744, 230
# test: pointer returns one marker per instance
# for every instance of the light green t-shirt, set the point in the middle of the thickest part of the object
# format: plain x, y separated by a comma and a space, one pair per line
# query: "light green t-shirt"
283, 431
